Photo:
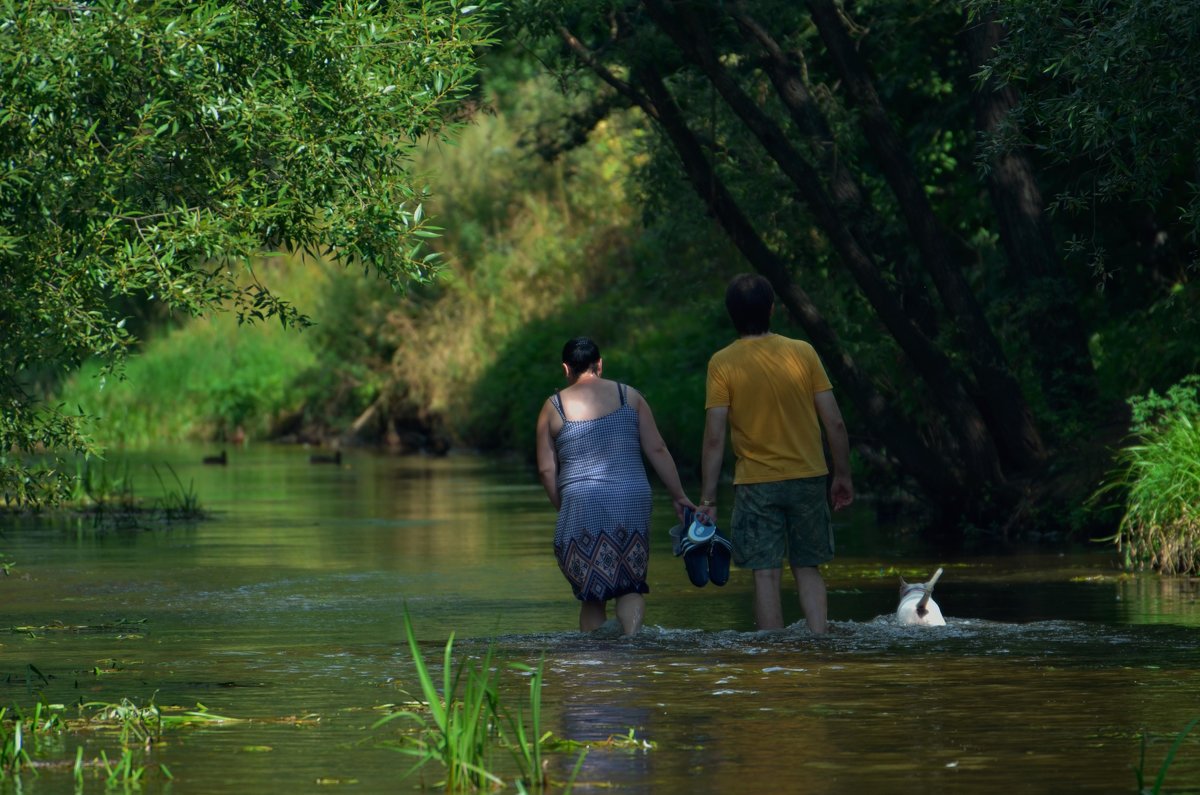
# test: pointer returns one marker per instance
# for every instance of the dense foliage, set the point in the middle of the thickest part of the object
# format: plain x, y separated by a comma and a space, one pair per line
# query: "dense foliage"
1105, 93
152, 149
883, 162
1108, 90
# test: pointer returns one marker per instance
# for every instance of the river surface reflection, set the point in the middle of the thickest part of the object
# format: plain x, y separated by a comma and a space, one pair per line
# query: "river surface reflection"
286, 609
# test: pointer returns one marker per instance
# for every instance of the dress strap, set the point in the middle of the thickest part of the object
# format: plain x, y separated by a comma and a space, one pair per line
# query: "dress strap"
621, 390
556, 401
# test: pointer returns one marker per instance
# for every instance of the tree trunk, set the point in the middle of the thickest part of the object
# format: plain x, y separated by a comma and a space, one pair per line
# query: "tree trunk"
846, 192
937, 476
1058, 344
962, 417
999, 395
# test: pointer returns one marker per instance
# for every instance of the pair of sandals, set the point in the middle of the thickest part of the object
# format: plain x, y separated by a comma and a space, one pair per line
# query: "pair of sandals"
705, 550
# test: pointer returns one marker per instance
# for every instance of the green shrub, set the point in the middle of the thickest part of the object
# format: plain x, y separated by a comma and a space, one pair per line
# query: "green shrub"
202, 380
1161, 473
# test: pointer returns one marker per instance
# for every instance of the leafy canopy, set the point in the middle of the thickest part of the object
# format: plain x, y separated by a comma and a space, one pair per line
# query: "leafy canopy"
152, 149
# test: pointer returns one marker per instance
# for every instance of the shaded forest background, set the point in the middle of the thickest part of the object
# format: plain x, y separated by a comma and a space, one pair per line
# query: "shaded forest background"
992, 249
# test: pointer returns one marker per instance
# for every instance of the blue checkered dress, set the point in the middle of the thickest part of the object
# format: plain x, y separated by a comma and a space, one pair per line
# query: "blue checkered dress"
602, 537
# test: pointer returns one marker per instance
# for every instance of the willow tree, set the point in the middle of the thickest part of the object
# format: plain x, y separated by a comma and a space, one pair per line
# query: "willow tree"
775, 115
155, 149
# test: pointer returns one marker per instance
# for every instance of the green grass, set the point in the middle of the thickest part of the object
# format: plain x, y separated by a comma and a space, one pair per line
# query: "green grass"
110, 500
462, 722
1159, 475
27, 739
201, 380
1140, 769
456, 722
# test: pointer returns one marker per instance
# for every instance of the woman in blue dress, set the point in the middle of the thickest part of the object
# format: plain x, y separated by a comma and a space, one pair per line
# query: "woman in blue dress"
590, 440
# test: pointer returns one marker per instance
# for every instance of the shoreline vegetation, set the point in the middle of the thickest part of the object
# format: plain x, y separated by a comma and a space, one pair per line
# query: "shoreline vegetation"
459, 717
578, 240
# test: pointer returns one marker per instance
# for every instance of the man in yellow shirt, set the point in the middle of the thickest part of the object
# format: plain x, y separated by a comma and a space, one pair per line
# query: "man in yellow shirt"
773, 394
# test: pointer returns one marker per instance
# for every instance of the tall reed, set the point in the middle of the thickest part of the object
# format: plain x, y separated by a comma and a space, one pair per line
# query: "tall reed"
1139, 769
457, 731
467, 721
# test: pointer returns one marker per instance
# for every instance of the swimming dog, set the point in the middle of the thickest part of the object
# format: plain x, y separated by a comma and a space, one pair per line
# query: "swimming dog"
917, 607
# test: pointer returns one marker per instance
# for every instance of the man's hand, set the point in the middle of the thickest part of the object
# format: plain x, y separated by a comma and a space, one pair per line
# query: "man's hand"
841, 492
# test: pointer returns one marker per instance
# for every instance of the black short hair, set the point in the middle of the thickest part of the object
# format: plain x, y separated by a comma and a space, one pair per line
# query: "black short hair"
749, 299
580, 355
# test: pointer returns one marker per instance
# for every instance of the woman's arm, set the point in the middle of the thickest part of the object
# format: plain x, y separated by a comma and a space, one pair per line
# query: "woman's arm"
547, 456
660, 458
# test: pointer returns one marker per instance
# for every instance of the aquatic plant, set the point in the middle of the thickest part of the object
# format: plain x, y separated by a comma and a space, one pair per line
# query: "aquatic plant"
179, 503
457, 731
1160, 475
27, 739
526, 746
110, 499
1140, 767
20, 733
464, 728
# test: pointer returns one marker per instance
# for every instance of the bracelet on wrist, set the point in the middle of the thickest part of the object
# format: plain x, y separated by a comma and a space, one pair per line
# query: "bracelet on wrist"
707, 503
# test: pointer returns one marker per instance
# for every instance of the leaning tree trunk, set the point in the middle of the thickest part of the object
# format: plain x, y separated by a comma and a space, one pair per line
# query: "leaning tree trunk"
1058, 344
933, 366
844, 188
938, 476
999, 395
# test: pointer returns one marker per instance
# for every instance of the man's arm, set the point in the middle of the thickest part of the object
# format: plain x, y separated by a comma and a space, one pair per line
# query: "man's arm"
711, 458
841, 489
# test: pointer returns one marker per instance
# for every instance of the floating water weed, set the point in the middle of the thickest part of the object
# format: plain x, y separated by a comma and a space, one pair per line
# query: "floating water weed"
1140, 767
620, 742
27, 739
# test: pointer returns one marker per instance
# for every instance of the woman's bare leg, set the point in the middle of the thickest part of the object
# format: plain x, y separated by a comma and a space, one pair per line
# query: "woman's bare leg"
631, 609
592, 616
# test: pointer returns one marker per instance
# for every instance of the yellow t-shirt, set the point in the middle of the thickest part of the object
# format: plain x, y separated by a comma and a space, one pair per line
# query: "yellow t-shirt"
768, 383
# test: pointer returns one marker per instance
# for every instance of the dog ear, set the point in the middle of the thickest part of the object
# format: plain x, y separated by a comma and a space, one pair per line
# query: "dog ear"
903, 584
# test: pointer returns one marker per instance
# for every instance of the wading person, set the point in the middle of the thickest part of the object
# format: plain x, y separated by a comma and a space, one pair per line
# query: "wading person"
590, 441
773, 394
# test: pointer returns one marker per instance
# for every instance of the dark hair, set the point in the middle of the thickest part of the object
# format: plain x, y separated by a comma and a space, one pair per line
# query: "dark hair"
580, 354
749, 299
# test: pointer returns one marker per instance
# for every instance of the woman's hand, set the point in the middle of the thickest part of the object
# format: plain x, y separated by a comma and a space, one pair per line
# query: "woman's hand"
680, 503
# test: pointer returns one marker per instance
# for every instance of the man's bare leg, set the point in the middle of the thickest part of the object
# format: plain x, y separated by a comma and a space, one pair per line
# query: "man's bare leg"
813, 600
631, 609
768, 613
592, 616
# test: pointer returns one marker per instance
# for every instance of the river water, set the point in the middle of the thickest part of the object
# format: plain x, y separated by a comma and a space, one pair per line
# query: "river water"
285, 609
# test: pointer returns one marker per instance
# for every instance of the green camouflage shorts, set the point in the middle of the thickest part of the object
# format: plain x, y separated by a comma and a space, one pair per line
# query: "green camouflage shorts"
787, 518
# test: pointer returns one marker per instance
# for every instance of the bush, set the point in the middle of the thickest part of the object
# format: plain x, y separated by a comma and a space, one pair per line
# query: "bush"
1161, 524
